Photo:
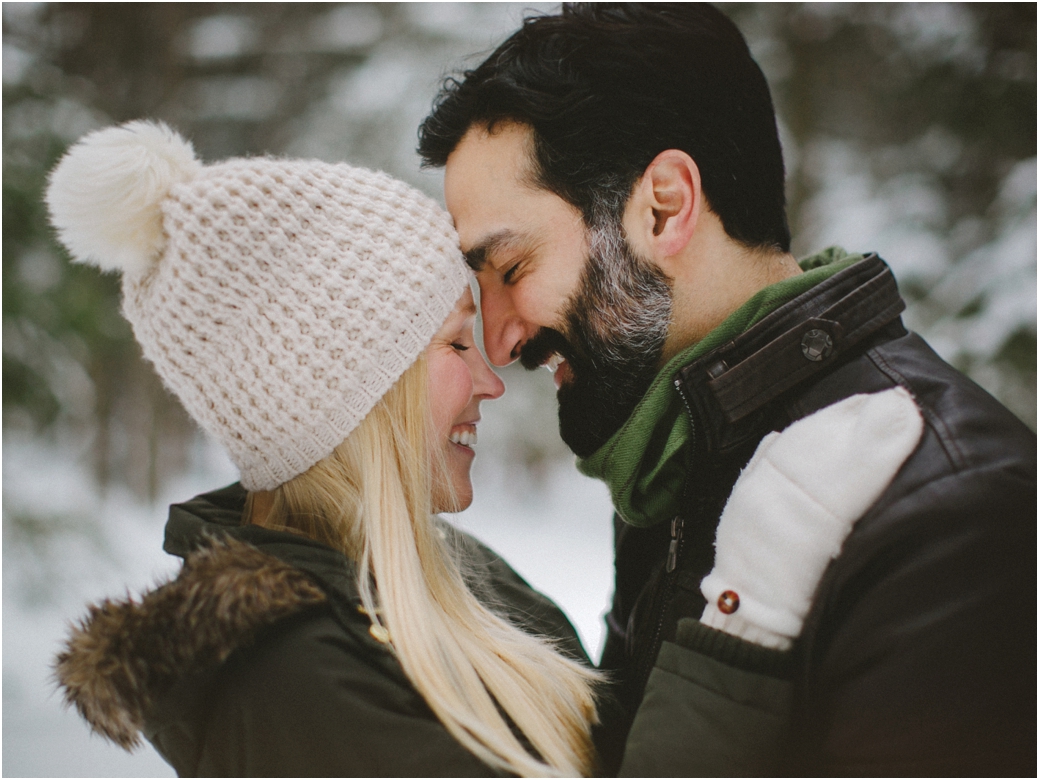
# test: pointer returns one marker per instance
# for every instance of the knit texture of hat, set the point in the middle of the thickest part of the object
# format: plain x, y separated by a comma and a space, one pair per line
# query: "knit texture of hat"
278, 299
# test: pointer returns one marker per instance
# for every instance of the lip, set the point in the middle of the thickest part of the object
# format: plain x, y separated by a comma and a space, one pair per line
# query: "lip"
563, 373
558, 366
542, 348
463, 449
553, 361
467, 427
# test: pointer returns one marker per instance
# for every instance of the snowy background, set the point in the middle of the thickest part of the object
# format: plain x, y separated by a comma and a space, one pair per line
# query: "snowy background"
908, 129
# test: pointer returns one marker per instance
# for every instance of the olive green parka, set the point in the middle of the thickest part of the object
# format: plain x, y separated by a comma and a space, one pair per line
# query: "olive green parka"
258, 661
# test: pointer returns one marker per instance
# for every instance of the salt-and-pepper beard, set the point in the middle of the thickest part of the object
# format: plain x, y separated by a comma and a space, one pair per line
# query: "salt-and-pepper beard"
614, 328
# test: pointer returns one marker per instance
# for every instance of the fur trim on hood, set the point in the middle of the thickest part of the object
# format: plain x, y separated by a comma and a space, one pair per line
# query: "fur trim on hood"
124, 655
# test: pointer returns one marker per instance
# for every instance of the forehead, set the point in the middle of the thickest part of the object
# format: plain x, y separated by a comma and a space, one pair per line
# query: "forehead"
502, 154
506, 149
466, 305
489, 189
463, 312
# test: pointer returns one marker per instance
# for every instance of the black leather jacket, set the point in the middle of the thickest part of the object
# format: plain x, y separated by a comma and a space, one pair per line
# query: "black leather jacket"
918, 655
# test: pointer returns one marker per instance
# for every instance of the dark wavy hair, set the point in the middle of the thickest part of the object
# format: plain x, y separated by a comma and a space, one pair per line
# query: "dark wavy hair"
608, 86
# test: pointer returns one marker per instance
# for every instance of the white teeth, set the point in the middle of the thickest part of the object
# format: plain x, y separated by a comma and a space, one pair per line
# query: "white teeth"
465, 438
553, 362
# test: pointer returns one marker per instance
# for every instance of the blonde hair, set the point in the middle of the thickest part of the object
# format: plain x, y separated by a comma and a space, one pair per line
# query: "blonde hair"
372, 499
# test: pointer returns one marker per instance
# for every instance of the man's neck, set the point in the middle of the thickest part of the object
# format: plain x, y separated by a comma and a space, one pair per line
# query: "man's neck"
716, 276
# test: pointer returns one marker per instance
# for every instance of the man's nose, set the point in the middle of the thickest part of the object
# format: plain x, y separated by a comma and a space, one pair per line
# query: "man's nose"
486, 384
504, 332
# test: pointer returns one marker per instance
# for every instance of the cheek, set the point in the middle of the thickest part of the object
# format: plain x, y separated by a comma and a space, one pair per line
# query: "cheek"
543, 296
540, 302
450, 389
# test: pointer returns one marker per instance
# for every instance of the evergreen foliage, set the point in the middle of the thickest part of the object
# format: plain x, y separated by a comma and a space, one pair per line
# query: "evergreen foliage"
908, 129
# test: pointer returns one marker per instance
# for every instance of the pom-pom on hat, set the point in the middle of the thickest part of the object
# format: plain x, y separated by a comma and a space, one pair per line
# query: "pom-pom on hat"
278, 299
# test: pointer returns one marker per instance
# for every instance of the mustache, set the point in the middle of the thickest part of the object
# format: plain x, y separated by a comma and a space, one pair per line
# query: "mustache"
541, 346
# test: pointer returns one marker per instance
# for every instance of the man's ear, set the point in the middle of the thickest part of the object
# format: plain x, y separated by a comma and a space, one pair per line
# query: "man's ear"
664, 208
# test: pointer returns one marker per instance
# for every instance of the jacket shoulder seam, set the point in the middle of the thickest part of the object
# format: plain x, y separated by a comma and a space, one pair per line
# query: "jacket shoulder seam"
956, 456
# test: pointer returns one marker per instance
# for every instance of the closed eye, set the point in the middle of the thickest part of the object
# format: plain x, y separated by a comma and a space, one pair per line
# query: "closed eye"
460, 347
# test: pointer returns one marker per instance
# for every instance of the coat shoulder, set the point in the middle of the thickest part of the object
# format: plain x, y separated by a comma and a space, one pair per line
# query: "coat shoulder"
125, 654
944, 559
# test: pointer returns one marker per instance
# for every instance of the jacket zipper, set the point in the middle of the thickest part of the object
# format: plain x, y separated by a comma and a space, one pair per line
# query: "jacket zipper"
674, 552
676, 537
688, 409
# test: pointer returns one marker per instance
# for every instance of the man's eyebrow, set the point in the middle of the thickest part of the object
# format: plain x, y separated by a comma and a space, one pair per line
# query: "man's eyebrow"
476, 257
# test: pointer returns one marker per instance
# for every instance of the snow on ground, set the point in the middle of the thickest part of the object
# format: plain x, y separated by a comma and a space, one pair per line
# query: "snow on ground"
554, 530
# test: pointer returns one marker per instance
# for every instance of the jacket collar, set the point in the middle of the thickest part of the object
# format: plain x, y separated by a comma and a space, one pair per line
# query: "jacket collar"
729, 391
218, 514
692, 410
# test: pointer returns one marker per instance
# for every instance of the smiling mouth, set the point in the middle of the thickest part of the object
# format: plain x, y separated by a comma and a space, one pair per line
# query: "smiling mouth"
553, 362
560, 368
464, 435
546, 348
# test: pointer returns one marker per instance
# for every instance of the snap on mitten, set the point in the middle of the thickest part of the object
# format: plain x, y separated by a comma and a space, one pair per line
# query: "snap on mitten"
794, 505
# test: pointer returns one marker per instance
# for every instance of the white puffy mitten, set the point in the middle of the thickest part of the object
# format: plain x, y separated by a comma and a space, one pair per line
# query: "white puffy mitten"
793, 506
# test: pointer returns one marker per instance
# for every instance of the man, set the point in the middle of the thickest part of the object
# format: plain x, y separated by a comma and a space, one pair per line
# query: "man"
616, 179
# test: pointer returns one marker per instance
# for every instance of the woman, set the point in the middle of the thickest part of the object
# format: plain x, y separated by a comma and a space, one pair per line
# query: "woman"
317, 320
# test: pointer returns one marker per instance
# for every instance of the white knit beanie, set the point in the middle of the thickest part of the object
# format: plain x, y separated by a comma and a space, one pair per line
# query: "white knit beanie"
278, 299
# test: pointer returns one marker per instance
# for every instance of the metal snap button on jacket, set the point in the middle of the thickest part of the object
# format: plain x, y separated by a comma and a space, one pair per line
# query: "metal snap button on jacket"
816, 344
